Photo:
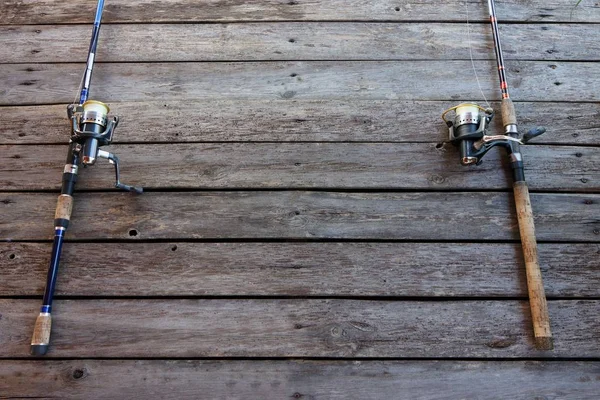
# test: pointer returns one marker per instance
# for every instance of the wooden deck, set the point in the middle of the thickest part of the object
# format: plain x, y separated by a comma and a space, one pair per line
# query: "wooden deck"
304, 233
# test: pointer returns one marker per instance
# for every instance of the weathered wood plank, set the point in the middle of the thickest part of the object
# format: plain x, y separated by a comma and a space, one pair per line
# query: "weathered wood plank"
296, 41
301, 215
60, 12
298, 269
299, 328
241, 380
304, 165
28, 84
294, 120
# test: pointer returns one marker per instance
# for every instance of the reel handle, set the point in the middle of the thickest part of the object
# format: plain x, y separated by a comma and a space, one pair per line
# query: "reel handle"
114, 160
137, 189
535, 287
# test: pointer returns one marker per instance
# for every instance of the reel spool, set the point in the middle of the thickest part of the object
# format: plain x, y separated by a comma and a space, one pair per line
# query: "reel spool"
467, 127
92, 129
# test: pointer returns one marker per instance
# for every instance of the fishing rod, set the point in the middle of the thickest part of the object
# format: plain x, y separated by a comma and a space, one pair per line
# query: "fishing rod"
90, 130
468, 131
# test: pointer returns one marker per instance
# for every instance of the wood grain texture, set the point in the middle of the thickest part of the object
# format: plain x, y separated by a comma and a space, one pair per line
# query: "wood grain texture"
301, 215
298, 71
293, 121
303, 165
30, 84
298, 269
59, 12
340, 380
299, 328
295, 41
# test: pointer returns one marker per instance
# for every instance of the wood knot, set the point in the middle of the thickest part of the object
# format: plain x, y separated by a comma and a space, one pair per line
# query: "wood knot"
361, 326
336, 331
79, 373
437, 179
289, 94
501, 343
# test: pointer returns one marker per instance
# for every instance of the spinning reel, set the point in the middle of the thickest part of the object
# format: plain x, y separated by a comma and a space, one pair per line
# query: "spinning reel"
468, 131
91, 130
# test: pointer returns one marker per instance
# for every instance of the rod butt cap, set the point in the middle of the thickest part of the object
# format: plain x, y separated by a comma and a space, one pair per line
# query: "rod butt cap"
544, 343
39, 349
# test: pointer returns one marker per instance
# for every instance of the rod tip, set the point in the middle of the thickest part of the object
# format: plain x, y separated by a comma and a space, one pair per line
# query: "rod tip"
39, 349
544, 343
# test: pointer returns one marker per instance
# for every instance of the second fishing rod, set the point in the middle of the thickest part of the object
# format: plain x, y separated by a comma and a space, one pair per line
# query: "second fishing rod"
90, 130
468, 130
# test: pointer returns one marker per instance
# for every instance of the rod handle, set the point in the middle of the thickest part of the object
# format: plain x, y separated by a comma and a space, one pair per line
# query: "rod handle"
41, 334
509, 116
535, 286
64, 208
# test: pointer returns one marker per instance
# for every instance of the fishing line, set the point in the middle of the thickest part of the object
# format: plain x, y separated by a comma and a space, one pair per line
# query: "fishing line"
471, 56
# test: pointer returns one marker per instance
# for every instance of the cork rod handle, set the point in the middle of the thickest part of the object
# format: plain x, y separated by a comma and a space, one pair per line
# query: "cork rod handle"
41, 334
509, 115
535, 286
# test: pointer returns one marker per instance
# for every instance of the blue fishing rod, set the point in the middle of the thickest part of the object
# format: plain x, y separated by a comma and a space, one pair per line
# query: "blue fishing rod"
90, 130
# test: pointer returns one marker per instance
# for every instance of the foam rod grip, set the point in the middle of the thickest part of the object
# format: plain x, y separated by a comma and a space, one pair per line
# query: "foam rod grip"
509, 116
41, 334
535, 286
